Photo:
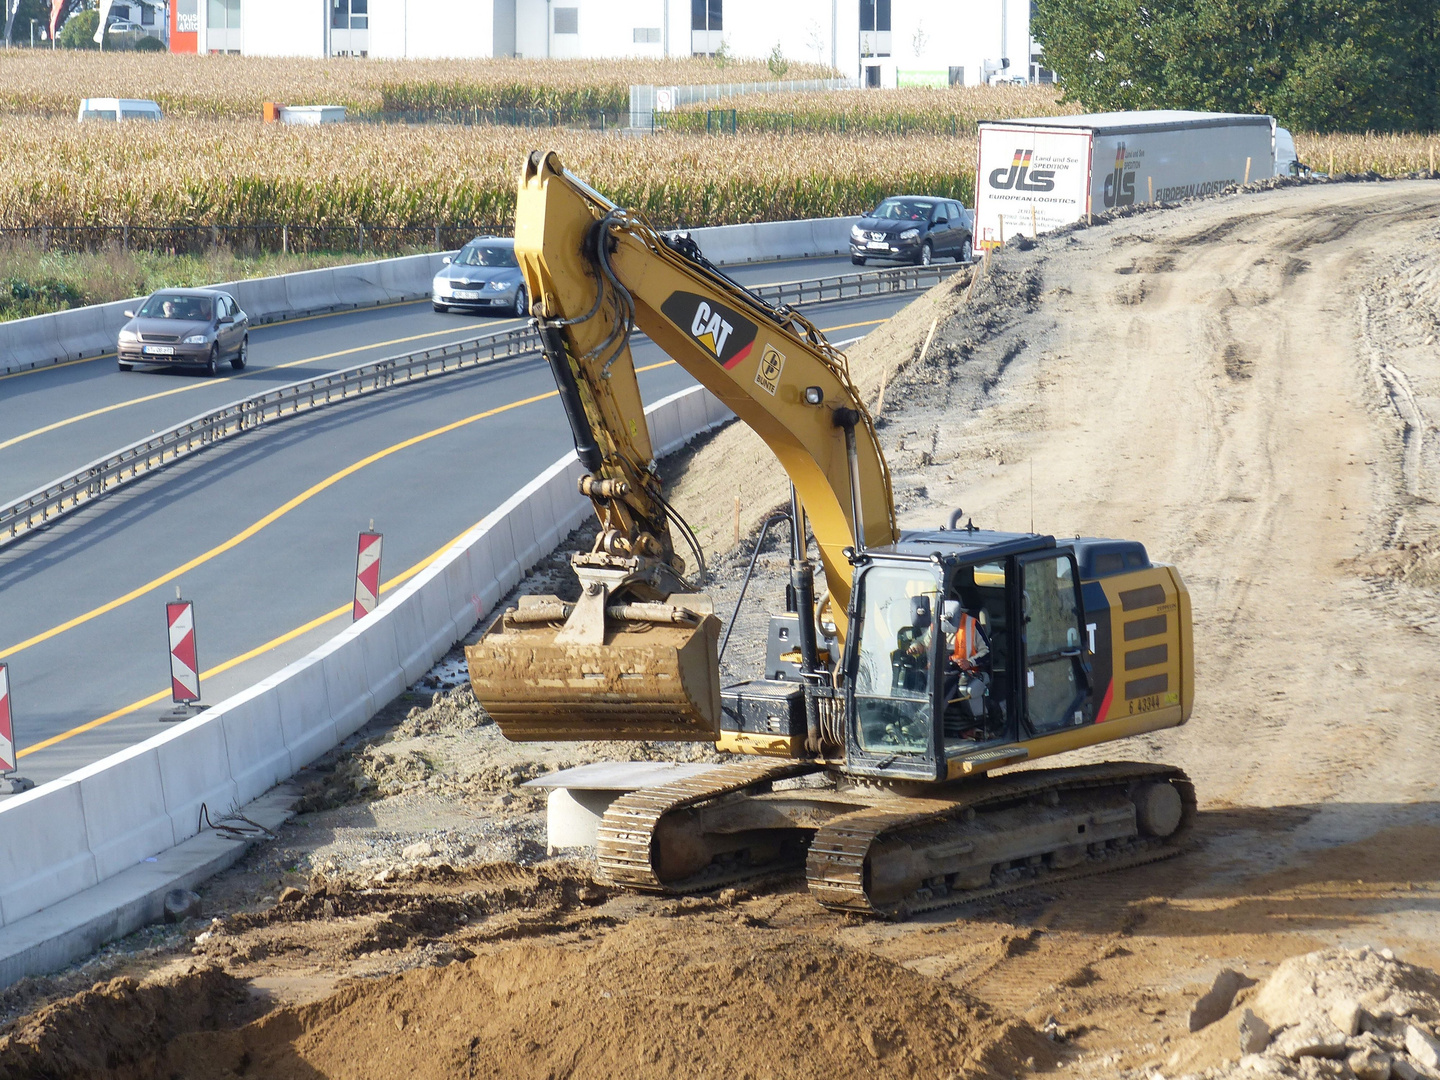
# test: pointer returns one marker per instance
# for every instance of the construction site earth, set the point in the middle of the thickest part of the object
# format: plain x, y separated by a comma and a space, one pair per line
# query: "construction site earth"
1250, 385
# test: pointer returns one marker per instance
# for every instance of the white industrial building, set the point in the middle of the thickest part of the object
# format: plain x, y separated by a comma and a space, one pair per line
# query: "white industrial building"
875, 42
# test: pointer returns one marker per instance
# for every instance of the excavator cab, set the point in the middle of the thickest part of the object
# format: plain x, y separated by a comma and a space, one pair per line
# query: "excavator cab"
922, 697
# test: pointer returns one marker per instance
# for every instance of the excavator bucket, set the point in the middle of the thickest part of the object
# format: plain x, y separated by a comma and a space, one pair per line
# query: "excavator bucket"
646, 679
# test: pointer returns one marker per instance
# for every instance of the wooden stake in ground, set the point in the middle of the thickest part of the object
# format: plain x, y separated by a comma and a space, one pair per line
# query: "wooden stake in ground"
1150, 184
1332, 161
737, 521
1247, 170
1034, 232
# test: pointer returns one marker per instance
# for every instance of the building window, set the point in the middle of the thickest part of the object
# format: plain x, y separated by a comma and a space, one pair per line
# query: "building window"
349, 14
647, 35
567, 20
147, 15
223, 14
707, 15
874, 27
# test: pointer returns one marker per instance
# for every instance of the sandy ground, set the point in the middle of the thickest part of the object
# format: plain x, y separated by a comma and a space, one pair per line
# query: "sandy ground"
1251, 386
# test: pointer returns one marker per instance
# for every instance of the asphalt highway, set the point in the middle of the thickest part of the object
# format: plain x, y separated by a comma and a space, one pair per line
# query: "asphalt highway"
260, 531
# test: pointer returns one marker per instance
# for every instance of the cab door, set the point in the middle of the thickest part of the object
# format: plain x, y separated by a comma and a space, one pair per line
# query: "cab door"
1055, 683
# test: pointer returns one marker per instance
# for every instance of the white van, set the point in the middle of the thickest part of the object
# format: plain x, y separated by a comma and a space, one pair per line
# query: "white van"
109, 108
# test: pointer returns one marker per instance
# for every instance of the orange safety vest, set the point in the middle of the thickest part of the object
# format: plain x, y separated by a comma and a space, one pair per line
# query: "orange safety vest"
967, 642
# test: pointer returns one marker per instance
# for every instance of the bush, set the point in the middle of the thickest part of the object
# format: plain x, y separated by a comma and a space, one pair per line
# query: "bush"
79, 31
777, 63
149, 44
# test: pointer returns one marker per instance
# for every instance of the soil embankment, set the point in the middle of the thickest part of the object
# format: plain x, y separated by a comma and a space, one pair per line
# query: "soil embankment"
1251, 386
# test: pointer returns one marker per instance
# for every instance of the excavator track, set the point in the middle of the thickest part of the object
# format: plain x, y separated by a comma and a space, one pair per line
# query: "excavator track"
625, 837
838, 870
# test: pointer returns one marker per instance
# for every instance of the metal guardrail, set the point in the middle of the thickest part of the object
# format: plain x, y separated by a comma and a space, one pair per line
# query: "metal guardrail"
856, 285
125, 466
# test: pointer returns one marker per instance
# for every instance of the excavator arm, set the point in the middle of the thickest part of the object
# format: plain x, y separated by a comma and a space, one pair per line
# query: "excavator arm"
635, 656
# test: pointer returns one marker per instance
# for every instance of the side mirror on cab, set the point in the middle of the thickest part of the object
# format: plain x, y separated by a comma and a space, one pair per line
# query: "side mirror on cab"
445, 261
128, 314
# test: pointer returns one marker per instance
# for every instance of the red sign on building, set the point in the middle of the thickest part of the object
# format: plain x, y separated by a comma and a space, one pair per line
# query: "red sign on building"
185, 26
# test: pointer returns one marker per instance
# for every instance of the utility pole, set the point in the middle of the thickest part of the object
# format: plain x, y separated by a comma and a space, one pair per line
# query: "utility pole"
834, 35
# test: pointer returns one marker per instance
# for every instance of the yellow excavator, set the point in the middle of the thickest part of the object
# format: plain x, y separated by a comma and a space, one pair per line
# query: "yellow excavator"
933, 657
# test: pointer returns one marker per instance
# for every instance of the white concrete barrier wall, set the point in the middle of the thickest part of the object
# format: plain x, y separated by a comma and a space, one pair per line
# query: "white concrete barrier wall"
775, 240
72, 833
43, 340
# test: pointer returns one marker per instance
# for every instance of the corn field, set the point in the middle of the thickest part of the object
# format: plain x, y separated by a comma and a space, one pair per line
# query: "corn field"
954, 111
1388, 155
334, 186
42, 82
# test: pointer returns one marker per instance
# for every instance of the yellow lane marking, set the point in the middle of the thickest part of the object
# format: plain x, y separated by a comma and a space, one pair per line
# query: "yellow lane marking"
236, 661
313, 624
282, 322
852, 325
275, 515
215, 382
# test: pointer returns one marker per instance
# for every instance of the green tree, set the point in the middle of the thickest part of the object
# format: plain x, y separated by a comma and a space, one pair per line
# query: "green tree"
79, 31
777, 63
1325, 65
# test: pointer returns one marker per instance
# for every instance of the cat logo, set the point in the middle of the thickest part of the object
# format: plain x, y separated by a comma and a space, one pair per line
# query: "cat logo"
767, 375
722, 332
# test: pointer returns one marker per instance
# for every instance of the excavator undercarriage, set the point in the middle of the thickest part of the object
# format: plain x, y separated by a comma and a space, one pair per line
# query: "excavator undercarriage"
873, 850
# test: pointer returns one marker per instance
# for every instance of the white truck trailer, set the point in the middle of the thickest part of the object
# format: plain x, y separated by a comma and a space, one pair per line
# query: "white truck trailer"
1040, 174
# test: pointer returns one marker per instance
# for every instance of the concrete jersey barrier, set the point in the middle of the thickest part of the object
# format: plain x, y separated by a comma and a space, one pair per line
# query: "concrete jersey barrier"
99, 825
44, 340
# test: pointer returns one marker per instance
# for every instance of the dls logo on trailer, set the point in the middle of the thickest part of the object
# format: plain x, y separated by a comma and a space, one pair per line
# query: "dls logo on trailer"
1120, 183
7, 725
1020, 177
721, 331
184, 666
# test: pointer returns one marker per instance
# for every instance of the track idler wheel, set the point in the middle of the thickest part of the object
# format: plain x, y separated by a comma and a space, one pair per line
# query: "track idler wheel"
1158, 808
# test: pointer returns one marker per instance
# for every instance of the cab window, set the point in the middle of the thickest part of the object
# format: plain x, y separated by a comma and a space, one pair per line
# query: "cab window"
892, 682
1054, 675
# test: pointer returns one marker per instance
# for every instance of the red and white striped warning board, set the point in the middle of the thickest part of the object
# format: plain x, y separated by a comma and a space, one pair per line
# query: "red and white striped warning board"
184, 667
7, 725
367, 574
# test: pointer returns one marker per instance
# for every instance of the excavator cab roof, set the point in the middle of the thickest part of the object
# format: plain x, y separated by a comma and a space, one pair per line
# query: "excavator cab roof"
968, 544
1097, 557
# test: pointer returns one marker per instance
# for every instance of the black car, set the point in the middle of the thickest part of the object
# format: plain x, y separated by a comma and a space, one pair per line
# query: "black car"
191, 327
913, 228
483, 276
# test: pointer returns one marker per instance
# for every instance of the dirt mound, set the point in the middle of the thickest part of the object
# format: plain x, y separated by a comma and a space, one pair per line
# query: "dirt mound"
654, 999
420, 916
123, 1029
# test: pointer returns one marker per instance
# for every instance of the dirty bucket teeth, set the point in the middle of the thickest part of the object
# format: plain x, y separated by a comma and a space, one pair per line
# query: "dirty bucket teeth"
648, 679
